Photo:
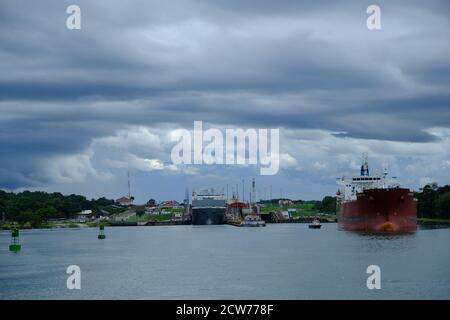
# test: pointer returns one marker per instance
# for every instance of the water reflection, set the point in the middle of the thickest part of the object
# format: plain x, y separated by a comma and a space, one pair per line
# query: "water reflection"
282, 261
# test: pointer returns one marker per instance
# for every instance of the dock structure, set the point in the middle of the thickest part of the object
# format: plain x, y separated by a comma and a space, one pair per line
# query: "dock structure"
235, 223
303, 220
148, 223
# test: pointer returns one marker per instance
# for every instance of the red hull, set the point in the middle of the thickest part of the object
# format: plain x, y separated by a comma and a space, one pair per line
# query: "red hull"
378, 210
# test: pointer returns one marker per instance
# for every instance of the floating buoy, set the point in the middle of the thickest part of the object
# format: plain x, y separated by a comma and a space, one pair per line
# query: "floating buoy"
102, 232
15, 246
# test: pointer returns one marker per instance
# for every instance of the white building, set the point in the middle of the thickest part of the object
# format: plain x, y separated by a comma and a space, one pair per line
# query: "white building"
84, 216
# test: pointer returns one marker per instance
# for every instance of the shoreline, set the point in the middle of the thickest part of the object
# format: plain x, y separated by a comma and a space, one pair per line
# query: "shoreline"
433, 221
72, 225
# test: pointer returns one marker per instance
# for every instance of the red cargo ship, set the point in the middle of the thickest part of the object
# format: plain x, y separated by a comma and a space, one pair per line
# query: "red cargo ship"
375, 204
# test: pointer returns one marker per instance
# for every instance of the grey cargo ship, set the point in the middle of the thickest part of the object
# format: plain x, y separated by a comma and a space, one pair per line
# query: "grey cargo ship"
208, 208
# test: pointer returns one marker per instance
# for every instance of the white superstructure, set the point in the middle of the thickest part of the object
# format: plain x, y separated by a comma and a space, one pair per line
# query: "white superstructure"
208, 194
349, 188
208, 198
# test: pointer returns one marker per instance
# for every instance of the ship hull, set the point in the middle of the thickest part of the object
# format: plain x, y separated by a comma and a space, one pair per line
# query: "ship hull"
208, 216
379, 210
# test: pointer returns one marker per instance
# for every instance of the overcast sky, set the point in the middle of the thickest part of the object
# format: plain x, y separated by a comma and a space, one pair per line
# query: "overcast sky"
79, 108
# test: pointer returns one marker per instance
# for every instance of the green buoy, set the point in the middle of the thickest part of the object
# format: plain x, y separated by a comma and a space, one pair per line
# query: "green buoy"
15, 246
102, 232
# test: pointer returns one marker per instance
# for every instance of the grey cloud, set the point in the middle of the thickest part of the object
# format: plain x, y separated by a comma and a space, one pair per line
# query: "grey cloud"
289, 64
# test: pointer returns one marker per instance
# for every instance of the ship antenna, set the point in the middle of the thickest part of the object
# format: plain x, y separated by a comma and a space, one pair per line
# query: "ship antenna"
129, 187
365, 165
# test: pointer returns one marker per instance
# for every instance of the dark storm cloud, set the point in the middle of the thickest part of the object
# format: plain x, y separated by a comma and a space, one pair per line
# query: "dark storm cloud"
290, 64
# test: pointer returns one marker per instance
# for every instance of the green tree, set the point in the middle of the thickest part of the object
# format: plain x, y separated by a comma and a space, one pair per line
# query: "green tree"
37, 206
328, 204
46, 213
444, 205
427, 206
29, 217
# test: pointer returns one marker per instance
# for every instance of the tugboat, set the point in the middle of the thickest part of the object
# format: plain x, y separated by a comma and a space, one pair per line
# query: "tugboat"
315, 224
253, 220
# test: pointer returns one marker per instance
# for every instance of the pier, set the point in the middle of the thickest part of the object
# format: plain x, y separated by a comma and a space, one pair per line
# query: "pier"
147, 223
303, 220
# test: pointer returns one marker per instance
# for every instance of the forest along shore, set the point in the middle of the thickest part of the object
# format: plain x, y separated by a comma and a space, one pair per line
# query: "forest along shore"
32, 210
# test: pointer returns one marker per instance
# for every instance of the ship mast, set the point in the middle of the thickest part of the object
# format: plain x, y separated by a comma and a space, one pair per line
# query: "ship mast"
129, 187
253, 194
365, 166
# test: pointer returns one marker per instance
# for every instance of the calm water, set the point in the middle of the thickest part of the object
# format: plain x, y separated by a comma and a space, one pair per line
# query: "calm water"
284, 261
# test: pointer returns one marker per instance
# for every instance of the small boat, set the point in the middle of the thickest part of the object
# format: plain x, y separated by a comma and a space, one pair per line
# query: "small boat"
253, 220
315, 224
